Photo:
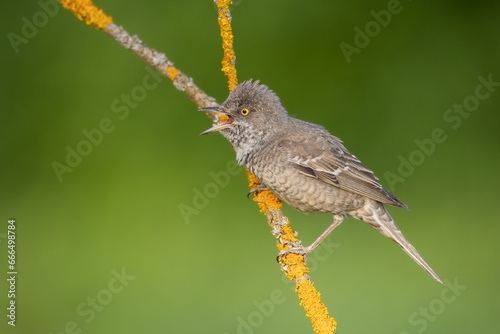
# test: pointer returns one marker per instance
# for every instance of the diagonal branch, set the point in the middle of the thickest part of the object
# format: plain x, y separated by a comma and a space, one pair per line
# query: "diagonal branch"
95, 17
161, 63
293, 265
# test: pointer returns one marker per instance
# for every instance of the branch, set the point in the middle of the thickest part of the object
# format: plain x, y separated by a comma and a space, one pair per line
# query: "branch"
293, 265
161, 63
227, 43
95, 17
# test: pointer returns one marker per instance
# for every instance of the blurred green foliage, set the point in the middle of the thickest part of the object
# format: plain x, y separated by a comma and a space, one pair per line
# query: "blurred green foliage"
118, 209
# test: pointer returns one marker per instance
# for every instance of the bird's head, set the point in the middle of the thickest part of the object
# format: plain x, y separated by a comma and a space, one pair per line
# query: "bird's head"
253, 112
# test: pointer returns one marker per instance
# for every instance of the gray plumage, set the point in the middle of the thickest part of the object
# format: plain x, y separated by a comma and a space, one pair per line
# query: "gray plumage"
304, 165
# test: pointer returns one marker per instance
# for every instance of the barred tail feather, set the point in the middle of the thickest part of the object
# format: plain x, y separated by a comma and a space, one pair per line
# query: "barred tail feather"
377, 215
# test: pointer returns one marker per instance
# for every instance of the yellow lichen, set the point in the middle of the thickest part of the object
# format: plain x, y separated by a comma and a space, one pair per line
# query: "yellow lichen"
292, 264
223, 118
226, 33
267, 200
172, 72
252, 179
289, 234
296, 268
315, 309
86, 11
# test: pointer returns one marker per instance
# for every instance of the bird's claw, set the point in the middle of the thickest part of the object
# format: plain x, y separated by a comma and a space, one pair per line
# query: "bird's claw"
257, 189
295, 250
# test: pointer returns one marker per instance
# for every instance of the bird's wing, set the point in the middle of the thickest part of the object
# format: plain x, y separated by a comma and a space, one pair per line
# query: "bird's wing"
325, 158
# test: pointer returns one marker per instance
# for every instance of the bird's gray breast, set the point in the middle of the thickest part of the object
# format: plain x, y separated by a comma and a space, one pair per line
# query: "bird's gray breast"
274, 169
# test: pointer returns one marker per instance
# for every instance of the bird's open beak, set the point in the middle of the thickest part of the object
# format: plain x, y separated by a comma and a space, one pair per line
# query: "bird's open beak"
219, 126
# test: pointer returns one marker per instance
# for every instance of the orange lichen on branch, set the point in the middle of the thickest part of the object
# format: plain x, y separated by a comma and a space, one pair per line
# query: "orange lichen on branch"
288, 234
292, 264
295, 266
265, 199
296, 270
172, 72
223, 118
315, 309
86, 11
226, 33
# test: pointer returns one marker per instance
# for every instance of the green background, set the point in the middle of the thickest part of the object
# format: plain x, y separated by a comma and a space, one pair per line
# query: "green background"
119, 208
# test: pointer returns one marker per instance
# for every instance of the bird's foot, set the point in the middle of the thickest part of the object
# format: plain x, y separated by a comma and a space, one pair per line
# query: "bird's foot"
296, 250
257, 189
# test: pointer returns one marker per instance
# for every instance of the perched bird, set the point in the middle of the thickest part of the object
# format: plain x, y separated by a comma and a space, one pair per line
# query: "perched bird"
304, 165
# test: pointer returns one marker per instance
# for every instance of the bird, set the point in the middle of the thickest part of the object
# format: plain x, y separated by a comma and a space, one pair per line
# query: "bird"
304, 165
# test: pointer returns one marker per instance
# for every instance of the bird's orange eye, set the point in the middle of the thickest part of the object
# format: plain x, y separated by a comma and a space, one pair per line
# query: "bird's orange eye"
244, 111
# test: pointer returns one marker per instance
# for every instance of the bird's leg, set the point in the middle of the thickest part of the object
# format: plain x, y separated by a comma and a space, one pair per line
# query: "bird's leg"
257, 189
337, 220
